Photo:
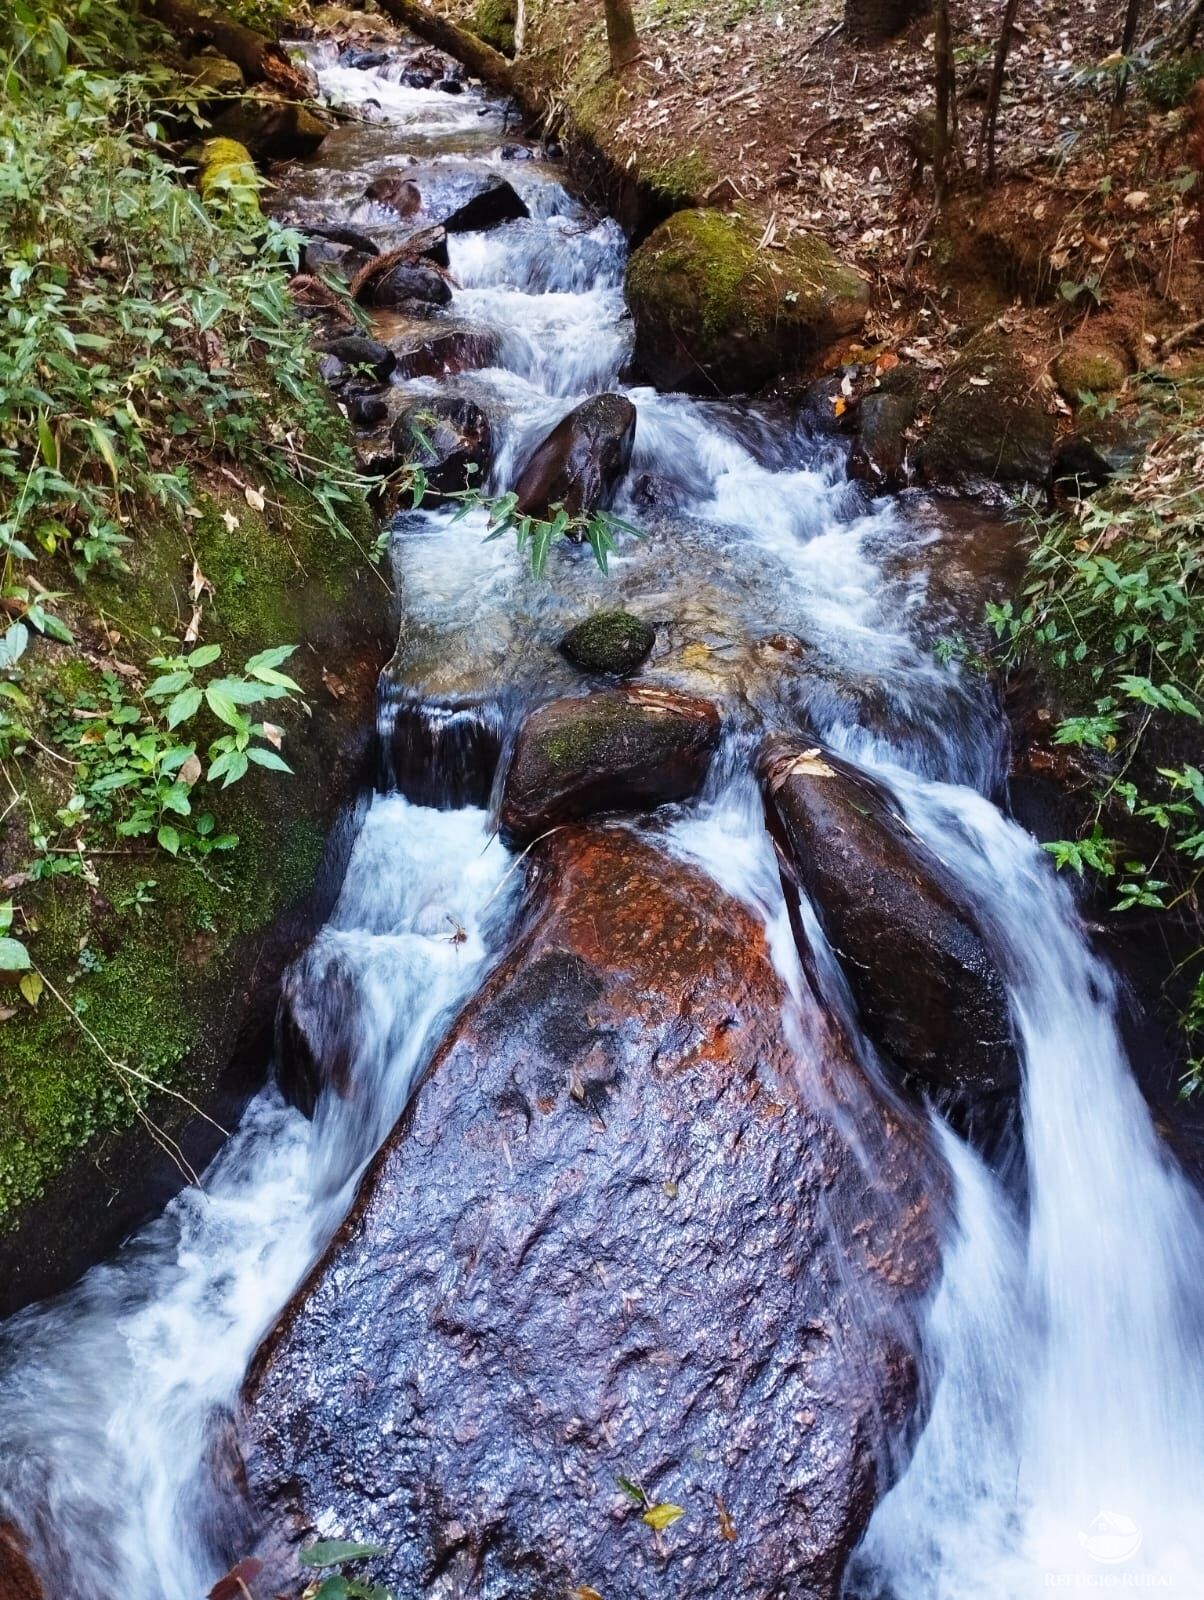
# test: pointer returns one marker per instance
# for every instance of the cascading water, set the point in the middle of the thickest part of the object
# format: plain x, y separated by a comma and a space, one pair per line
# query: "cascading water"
1063, 1353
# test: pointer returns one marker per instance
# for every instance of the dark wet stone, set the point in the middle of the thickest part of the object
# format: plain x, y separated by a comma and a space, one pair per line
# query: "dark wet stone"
609, 641
322, 257
924, 978
879, 453
616, 750
405, 282
316, 1030
496, 203
367, 410
439, 751
516, 152
1079, 468
352, 237
355, 353
450, 86
623, 1230
582, 461
988, 424
362, 58
448, 437
439, 349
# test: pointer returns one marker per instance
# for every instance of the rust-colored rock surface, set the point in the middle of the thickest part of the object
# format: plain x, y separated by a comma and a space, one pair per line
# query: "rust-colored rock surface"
582, 461
624, 1230
18, 1581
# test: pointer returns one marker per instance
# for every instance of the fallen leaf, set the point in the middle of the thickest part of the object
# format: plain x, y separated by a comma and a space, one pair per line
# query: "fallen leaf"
334, 684
31, 987
584, 1592
190, 771
230, 519
839, 406
1136, 199
663, 1516
273, 734
236, 1584
254, 499
727, 1528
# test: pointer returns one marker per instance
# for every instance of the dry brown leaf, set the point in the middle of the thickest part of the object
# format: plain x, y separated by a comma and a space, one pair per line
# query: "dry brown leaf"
254, 498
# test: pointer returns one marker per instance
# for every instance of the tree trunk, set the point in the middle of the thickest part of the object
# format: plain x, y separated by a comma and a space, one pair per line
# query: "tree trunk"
1132, 13
986, 138
620, 34
262, 60
875, 20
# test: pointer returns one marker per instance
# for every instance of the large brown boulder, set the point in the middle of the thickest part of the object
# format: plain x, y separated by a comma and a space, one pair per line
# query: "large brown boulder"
624, 1231
921, 972
989, 422
618, 750
582, 461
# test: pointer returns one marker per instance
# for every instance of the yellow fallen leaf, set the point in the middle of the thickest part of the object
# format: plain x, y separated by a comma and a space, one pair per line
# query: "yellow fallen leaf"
254, 499
31, 987
584, 1592
663, 1516
839, 406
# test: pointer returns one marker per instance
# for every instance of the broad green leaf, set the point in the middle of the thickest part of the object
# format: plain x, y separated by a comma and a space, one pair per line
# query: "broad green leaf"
204, 657
169, 683
185, 705
334, 1552
336, 1587
13, 644
269, 759
270, 658
223, 706
14, 957
169, 838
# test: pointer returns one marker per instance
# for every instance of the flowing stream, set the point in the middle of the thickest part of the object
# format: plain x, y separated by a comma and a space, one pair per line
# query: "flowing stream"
1063, 1355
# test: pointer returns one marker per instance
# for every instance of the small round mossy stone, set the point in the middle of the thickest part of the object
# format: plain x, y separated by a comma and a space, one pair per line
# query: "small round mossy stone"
609, 641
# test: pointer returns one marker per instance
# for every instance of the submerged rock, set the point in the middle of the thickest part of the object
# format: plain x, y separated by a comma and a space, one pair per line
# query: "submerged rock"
609, 641
713, 311
402, 282
879, 453
924, 979
623, 1231
316, 1031
582, 461
448, 437
617, 750
498, 202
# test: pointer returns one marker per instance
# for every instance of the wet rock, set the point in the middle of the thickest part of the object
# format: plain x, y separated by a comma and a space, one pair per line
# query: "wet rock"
18, 1581
449, 438
713, 311
353, 355
404, 282
624, 1230
617, 750
364, 59
516, 152
497, 202
989, 423
400, 194
440, 751
316, 1030
450, 86
1079, 468
921, 972
653, 493
367, 410
582, 461
272, 130
322, 257
439, 349
609, 641
879, 453
337, 234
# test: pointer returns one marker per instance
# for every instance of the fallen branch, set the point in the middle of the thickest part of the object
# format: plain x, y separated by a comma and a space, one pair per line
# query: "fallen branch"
261, 59
481, 59
1180, 337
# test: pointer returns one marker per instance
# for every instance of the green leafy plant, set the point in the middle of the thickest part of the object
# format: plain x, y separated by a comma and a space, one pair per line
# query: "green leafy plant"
1113, 610
341, 1585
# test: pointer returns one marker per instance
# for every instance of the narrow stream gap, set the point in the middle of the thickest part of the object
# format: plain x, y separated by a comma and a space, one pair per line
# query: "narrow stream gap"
1061, 1351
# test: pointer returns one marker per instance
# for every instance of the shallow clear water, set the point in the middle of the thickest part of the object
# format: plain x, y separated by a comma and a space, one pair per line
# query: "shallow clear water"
1063, 1351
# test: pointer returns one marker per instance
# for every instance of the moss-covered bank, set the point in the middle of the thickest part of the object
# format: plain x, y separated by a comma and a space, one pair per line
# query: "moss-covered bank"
163, 968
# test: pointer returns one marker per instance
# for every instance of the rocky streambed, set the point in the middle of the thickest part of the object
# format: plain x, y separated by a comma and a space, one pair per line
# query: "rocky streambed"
620, 1221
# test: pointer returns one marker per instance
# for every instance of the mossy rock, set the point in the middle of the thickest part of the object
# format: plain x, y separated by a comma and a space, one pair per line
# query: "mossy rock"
1083, 366
713, 311
989, 422
493, 21
609, 641
178, 981
227, 173
213, 77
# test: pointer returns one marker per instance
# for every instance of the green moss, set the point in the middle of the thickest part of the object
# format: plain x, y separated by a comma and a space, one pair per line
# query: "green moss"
1082, 367
683, 180
493, 21
707, 300
609, 641
227, 171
